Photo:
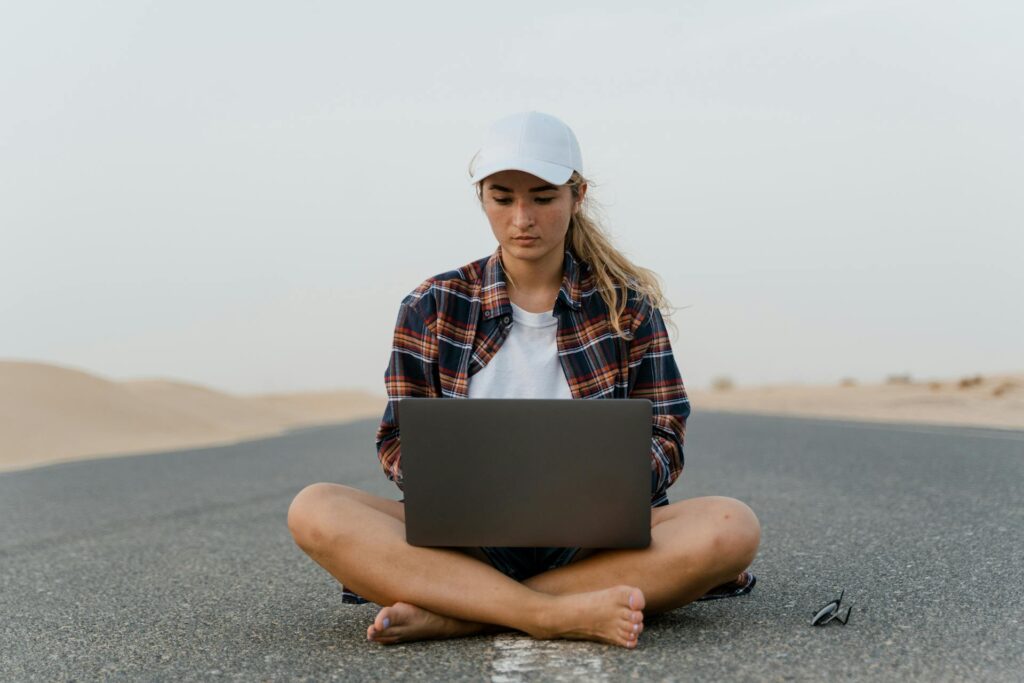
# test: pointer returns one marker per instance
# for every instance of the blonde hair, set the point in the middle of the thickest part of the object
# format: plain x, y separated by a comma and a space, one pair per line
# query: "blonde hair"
590, 242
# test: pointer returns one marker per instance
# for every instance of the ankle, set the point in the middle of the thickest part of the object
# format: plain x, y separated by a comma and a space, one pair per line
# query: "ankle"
547, 618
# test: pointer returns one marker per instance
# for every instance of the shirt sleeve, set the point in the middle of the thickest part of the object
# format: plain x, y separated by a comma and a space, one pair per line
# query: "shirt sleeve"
654, 375
412, 372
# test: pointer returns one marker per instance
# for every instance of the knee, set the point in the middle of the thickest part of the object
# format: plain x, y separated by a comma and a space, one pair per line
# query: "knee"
735, 534
306, 515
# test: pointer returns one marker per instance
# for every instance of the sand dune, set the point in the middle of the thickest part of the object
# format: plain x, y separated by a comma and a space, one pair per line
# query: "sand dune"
322, 407
995, 401
50, 414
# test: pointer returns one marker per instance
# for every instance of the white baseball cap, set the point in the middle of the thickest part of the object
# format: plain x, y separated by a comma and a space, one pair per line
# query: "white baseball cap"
533, 142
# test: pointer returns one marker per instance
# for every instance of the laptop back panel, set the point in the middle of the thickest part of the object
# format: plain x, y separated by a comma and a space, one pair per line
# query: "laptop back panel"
527, 472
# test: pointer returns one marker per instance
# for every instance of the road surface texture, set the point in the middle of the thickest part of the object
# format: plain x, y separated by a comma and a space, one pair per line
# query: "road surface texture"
179, 566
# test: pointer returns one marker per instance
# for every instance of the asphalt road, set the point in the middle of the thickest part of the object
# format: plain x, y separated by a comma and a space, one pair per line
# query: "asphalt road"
179, 566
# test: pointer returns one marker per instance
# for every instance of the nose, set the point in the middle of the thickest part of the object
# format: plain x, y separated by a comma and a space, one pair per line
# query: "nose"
522, 216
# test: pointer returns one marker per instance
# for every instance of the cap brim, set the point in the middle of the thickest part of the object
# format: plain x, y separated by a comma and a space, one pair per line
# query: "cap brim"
552, 173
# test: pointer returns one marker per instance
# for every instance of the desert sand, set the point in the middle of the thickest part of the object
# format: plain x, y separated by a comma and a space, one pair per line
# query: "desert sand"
51, 414
993, 401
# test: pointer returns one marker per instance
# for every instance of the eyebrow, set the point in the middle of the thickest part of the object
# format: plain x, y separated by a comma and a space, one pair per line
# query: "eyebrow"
542, 188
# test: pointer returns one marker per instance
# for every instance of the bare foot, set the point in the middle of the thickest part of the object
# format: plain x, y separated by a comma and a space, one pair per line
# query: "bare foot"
614, 616
402, 622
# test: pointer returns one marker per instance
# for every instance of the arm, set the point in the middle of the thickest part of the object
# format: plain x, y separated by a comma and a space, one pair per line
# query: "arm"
412, 371
654, 375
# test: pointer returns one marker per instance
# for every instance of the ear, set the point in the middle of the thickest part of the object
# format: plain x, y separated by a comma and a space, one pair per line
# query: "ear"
580, 198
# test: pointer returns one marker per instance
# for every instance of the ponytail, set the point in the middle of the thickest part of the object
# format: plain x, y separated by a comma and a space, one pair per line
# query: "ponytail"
610, 267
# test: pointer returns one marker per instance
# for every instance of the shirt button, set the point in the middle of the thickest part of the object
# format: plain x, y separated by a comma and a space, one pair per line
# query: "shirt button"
506, 320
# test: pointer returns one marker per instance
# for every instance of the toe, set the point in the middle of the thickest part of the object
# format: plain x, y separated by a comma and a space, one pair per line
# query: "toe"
383, 619
636, 599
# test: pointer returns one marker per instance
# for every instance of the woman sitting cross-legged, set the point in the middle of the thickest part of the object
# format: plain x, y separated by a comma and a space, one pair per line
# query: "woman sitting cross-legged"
555, 312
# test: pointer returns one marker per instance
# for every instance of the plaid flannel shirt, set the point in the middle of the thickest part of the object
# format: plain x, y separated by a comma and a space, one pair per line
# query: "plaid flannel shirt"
450, 327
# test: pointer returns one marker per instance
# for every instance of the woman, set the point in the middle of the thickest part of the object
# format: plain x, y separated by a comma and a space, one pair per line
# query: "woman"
542, 317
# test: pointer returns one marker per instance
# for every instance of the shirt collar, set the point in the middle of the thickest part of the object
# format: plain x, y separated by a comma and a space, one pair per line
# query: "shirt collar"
494, 292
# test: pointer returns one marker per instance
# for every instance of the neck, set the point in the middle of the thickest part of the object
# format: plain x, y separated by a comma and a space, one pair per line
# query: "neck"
534, 277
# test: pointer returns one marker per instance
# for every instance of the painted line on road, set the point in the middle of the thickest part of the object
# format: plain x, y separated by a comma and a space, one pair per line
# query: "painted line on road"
519, 657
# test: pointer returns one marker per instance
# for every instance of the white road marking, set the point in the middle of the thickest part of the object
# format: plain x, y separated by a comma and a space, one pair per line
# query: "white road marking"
518, 656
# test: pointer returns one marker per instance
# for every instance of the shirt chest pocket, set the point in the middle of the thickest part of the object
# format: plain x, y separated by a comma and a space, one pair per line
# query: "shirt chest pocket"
600, 369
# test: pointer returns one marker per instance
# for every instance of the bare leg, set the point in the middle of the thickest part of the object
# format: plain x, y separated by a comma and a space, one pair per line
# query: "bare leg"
403, 621
363, 546
696, 545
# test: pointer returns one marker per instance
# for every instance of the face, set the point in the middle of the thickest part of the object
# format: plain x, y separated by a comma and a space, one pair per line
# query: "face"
520, 205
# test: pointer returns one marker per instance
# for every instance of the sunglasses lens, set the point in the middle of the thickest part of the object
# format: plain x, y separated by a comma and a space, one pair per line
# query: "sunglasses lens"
824, 614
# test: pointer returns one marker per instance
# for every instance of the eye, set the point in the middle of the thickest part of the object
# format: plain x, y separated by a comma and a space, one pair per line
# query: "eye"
502, 200
545, 200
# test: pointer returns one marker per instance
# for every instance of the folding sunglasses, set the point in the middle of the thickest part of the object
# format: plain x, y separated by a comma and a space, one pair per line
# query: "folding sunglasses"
831, 612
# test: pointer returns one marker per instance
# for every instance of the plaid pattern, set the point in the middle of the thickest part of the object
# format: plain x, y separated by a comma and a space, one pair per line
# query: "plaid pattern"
453, 324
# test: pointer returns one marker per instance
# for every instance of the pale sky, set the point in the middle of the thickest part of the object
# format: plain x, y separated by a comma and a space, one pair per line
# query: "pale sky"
240, 193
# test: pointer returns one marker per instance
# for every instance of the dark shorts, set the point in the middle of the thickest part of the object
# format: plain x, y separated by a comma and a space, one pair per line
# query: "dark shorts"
522, 563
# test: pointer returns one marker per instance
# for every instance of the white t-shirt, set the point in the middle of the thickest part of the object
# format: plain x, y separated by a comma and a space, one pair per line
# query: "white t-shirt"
526, 365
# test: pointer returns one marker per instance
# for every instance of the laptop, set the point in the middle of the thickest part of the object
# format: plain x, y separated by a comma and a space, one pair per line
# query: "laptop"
502, 472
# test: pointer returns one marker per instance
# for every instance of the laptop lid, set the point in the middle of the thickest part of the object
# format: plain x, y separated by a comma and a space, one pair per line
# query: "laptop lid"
527, 472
